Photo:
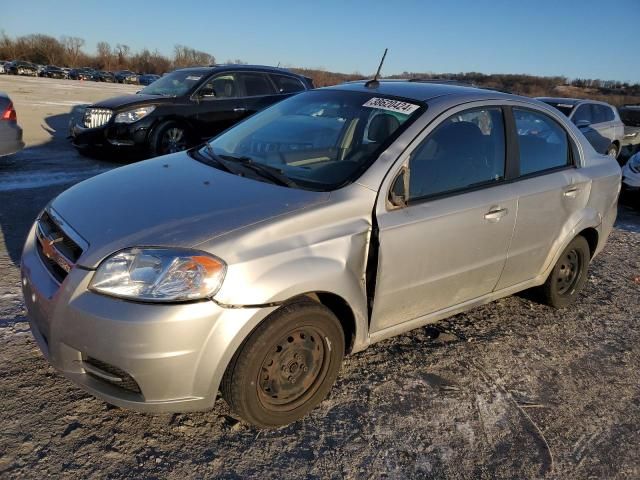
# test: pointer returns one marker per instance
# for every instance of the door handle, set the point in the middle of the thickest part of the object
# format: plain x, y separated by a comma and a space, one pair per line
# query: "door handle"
571, 192
239, 109
495, 214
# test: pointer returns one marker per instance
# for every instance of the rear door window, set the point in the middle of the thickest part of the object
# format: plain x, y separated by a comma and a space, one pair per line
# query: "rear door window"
286, 84
543, 144
256, 84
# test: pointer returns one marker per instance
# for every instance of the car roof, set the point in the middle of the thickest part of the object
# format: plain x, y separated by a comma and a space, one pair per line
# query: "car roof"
421, 90
238, 67
570, 101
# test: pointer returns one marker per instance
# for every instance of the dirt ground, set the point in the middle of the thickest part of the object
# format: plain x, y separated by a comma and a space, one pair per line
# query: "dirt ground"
512, 389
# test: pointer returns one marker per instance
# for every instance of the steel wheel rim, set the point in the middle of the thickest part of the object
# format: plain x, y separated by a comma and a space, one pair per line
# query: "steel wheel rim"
569, 270
173, 140
293, 369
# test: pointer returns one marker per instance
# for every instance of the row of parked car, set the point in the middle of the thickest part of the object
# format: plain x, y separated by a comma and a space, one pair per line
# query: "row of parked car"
20, 67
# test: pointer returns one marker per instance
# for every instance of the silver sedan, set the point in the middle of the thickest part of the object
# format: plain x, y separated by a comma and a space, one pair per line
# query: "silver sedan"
330, 221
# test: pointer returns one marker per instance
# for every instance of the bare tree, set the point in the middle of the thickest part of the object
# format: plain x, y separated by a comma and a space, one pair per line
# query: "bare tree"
105, 55
123, 51
72, 47
184, 56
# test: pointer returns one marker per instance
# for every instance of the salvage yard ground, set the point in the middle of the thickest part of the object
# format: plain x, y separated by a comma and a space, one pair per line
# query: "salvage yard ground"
512, 389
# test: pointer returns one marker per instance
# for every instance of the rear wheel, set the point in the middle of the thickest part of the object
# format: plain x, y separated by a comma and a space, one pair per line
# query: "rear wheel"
287, 365
568, 275
169, 137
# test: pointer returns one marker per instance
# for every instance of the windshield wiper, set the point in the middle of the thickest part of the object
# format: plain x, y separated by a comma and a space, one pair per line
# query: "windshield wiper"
219, 162
266, 171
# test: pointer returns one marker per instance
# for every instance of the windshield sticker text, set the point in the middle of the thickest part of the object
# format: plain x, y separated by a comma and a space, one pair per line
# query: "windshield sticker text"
391, 105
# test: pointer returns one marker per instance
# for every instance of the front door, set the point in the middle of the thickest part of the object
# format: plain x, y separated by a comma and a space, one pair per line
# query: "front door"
219, 104
449, 243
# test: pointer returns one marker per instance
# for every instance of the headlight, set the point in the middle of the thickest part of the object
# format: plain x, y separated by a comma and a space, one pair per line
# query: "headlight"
131, 116
159, 275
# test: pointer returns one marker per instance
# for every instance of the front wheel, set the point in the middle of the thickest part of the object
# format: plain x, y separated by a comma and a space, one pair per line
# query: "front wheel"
612, 151
287, 365
568, 275
169, 137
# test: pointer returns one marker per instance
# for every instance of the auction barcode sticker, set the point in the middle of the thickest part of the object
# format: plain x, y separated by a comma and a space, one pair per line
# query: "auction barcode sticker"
391, 105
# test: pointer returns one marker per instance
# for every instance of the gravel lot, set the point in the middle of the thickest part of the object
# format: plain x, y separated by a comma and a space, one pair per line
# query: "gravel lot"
513, 389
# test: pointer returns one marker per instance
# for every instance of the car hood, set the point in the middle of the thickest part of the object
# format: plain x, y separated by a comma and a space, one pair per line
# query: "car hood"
169, 201
117, 103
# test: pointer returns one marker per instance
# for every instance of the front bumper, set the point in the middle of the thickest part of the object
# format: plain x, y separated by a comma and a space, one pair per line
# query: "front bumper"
176, 354
118, 137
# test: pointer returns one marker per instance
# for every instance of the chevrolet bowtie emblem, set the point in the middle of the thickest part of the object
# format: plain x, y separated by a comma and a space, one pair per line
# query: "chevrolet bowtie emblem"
48, 249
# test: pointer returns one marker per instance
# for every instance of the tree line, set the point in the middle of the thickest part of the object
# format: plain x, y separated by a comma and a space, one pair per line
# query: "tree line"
68, 51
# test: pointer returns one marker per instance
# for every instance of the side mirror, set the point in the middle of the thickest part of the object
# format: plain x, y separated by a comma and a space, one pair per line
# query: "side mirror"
207, 92
583, 123
398, 196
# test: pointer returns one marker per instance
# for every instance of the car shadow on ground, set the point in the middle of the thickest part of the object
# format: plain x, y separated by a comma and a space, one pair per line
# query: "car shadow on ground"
45, 170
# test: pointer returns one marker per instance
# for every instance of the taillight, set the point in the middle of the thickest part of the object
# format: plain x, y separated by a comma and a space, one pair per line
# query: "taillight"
9, 113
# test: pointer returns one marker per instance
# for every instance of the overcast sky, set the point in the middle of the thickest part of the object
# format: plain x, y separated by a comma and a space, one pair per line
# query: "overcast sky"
587, 38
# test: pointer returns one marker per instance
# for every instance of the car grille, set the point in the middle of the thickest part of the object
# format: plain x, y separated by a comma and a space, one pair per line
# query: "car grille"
111, 374
96, 117
58, 251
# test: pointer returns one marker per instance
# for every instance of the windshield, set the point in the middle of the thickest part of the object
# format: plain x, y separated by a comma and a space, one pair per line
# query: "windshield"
174, 84
565, 108
321, 139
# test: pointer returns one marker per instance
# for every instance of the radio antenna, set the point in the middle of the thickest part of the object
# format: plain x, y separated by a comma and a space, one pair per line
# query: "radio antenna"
374, 83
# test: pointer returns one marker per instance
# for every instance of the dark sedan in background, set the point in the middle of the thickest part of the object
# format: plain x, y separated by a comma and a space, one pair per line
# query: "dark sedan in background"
183, 108
10, 131
104, 76
84, 73
51, 71
126, 76
147, 79
18, 67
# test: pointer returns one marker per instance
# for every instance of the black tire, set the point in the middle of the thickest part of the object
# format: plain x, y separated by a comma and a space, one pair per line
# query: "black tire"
612, 151
164, 139
287, 365
569, 274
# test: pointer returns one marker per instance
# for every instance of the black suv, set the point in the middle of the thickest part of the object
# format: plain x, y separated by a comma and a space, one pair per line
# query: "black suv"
183, 108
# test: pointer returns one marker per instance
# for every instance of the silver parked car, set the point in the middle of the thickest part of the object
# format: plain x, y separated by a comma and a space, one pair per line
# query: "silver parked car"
598, 121
327, 222
10, 131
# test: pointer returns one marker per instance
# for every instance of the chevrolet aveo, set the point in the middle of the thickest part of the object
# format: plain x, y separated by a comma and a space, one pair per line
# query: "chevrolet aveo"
330, 221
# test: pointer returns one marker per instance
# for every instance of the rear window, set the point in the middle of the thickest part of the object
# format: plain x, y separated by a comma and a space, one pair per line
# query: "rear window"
565, 108
286, 84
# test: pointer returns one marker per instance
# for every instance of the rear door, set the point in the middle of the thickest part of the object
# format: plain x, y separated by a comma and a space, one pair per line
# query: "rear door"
550, 189
219, 104
449, 243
